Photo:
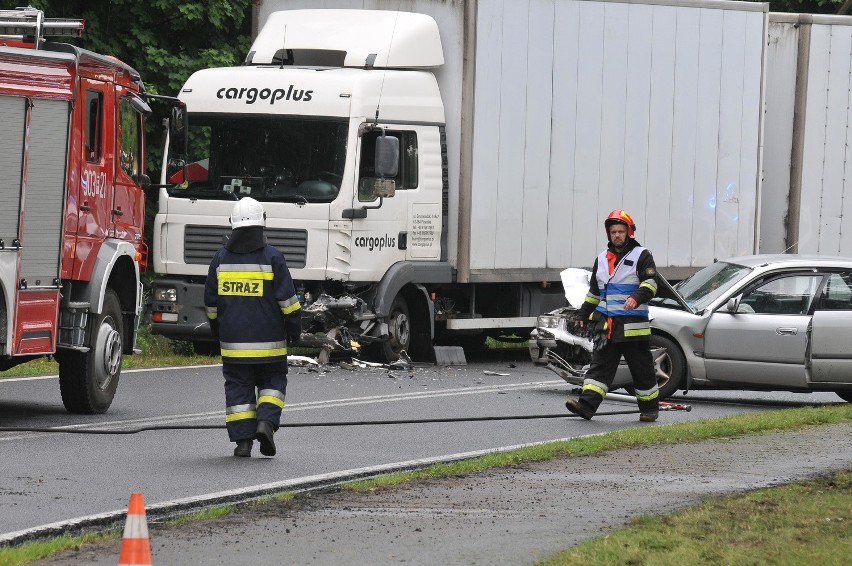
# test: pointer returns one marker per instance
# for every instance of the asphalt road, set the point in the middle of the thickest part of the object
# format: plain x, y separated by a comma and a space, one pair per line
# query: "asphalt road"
53, 480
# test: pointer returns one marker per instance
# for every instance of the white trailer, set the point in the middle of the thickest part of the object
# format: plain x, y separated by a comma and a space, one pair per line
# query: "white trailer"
530, 120
807, 180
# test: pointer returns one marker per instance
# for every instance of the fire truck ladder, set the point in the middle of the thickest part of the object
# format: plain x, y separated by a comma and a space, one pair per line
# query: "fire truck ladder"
30, 25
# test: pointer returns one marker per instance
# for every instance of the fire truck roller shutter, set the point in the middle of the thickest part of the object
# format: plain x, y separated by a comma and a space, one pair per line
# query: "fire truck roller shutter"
41, 234
13, 112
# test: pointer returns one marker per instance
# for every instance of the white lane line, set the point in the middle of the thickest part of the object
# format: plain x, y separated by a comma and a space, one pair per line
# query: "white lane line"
304, 483
138, 370
307, 405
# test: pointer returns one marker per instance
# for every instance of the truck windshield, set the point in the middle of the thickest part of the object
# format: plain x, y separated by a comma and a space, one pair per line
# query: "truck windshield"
270, 158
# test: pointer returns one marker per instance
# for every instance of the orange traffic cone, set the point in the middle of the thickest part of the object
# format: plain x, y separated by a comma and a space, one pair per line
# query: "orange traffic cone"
135, 546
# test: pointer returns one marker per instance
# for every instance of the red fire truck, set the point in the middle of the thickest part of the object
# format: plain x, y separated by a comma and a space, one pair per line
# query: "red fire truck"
71, 206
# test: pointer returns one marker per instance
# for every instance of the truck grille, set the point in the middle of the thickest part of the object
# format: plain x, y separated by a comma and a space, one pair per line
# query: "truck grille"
201, 242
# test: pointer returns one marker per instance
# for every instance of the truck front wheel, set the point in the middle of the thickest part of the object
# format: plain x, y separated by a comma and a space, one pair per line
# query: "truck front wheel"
88, 380
399, 329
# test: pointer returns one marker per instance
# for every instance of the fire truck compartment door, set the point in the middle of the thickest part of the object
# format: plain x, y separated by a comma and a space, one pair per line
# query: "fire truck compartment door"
13, 111
41, 233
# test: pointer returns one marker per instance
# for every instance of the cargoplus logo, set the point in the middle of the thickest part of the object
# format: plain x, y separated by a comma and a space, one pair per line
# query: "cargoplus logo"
375, 242
252, 95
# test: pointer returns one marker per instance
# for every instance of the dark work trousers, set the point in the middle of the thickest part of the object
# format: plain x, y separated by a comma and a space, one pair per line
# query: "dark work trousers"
604, 364
242, 409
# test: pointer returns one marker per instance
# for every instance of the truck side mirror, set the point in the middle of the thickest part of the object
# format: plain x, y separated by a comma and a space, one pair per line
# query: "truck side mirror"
178, 132
387, 156
377, 188
138, 104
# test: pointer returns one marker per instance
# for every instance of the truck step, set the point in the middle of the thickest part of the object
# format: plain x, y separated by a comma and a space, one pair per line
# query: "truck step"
450, 356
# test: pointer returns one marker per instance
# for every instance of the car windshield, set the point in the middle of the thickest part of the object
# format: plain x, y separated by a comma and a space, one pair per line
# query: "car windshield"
708, 284
270, 158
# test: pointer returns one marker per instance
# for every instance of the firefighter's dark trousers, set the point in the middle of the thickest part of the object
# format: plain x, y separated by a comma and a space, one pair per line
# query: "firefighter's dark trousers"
604, 364
243, 408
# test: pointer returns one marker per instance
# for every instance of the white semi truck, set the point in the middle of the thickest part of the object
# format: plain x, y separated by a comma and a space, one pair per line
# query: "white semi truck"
519, 126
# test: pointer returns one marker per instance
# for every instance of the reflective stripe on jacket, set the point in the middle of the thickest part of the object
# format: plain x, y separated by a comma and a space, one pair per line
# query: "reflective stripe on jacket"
252, 299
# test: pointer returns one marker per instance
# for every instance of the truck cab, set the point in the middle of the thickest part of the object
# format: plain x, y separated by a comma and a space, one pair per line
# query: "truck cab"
303, 127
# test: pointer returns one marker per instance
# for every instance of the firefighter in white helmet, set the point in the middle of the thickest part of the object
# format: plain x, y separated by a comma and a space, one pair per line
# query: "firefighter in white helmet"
255, 313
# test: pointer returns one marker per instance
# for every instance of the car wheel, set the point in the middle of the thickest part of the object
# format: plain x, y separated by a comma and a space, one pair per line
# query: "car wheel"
88, 380
670, 367
845, 395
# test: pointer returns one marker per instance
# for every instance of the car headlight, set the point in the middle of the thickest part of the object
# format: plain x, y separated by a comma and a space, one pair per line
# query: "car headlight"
168, 294
549, 321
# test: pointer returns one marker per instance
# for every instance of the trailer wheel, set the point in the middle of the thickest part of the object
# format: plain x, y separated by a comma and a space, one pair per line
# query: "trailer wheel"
88, 380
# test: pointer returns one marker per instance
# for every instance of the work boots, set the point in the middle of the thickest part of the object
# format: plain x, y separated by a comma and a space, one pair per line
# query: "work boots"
243, 449
265, 431
649, 416
579, 409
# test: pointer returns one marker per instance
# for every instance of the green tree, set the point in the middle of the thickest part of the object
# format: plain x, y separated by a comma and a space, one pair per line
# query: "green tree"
165, 40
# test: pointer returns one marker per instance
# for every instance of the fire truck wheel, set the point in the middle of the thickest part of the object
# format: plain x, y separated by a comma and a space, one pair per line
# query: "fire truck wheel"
87, 381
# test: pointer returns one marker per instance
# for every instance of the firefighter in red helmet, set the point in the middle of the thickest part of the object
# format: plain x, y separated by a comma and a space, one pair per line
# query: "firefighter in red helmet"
623, 281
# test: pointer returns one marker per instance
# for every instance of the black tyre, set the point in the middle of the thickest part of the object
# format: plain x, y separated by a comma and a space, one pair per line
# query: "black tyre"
400, 330
87, 381
845, 395
670, 367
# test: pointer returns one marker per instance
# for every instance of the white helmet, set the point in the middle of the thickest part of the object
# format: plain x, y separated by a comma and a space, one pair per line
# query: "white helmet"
247, 212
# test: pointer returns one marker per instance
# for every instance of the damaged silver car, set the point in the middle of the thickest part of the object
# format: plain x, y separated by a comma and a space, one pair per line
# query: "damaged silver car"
766, 322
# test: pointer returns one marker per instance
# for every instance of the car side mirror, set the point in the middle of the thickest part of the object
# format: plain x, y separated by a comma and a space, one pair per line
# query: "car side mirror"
733, 304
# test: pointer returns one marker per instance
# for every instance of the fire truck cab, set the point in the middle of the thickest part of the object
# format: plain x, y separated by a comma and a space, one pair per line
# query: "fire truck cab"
71, 206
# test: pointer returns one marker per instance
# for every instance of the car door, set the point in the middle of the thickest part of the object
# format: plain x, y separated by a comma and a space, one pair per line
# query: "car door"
831, 338
765, 342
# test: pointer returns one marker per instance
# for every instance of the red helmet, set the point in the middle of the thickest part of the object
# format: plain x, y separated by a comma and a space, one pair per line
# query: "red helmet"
618, 216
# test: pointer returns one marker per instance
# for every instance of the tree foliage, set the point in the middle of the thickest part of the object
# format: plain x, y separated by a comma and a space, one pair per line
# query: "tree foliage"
165, 40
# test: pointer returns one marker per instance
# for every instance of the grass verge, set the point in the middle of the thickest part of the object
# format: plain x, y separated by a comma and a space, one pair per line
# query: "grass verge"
800, 523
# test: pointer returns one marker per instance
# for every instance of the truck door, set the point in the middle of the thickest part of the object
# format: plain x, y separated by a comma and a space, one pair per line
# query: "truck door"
387, 234
766, 340
128, 204
831, 335
95, 194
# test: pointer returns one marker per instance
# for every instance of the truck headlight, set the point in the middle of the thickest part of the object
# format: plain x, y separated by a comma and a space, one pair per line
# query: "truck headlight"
167, 294
548, 321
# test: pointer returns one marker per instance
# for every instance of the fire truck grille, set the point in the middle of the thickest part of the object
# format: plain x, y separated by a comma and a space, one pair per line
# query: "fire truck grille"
201, 242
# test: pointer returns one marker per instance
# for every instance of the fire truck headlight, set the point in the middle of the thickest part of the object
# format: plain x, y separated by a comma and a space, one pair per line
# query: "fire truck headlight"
168, 294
